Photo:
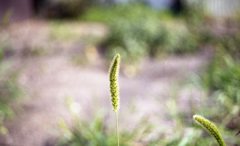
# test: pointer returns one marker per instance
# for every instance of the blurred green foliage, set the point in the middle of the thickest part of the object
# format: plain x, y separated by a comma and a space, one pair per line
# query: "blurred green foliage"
224, 77
93, 133
137, 30
9, 91
97, 133
223, 74
63, 32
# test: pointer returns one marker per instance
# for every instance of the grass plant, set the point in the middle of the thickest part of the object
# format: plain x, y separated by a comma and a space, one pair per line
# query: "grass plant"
114, 88
211, 128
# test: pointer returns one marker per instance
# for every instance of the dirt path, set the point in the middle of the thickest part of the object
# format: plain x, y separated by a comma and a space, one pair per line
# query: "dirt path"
49, 80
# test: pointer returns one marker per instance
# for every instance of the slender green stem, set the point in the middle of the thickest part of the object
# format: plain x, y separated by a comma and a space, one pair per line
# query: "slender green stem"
117, 129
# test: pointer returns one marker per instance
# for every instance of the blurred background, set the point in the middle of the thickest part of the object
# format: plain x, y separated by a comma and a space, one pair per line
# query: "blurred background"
179, 58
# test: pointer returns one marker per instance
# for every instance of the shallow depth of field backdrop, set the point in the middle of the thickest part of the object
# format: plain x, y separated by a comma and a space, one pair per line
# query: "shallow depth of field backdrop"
179, 58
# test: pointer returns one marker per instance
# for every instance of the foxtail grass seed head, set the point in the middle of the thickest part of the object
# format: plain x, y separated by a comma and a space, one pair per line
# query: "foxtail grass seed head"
113, 77
210, 127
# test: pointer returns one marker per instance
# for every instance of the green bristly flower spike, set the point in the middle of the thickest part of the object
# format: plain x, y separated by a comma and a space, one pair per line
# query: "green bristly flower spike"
114, 88
113, 77
210, 127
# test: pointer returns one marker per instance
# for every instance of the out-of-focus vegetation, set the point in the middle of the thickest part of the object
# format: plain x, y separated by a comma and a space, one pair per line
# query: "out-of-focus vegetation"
137, 30
223, 77
222, 81
96, 133
9, 90
92, 134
